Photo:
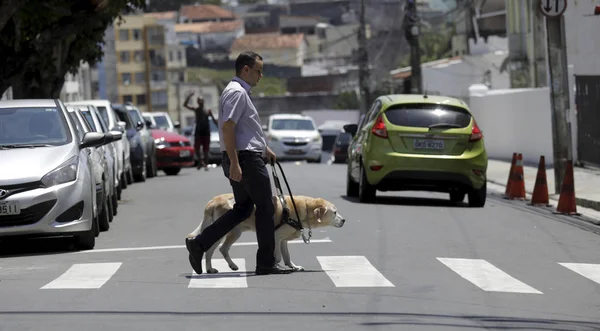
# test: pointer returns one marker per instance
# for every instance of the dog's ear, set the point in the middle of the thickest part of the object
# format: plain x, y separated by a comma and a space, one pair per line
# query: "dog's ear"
319, 212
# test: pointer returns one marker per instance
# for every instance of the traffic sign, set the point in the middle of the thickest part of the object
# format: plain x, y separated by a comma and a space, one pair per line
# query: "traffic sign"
553, 8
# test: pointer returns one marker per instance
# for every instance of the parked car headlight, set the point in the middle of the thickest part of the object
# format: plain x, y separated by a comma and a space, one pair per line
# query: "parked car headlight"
64, 173
317, 138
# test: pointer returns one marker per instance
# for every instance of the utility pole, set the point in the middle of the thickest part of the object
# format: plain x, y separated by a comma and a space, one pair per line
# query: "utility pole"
363, 62
411, 30
559, 85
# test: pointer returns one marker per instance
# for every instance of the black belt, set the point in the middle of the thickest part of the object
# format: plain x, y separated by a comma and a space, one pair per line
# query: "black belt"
246, 152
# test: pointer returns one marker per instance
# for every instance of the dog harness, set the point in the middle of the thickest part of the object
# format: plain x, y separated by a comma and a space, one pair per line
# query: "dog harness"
285, 214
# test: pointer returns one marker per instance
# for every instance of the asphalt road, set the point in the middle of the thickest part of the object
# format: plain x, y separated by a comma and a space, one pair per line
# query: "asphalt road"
411, 261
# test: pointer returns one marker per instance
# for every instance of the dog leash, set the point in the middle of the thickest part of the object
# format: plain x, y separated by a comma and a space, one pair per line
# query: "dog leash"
295, 223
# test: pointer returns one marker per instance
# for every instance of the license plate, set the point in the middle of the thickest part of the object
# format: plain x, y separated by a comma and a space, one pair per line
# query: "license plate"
428, 144
9, 208
185, 153
295, 151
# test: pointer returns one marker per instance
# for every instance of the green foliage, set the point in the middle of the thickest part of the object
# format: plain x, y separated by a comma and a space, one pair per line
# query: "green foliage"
270, 86
435, 44
347, 100
44, 40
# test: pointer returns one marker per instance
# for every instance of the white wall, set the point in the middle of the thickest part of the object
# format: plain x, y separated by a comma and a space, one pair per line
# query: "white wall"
515, 121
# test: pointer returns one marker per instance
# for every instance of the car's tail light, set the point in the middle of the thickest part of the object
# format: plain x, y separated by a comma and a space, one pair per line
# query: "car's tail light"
376, 167
475, 132
379, 128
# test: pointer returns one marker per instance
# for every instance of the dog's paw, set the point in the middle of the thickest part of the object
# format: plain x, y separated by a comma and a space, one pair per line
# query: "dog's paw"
296, 267
233, 266
212, 270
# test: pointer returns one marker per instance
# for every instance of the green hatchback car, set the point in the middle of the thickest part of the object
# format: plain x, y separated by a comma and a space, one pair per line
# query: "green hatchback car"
411, 142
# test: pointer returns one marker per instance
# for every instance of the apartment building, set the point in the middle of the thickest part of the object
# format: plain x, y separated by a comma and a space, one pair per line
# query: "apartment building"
142, 63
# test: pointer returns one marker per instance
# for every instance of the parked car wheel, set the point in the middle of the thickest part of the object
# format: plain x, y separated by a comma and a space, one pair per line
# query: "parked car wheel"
171, 171
104, 221
87, 240
366, 192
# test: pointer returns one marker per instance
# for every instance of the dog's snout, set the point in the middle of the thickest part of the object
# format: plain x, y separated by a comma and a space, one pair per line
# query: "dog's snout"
343, 220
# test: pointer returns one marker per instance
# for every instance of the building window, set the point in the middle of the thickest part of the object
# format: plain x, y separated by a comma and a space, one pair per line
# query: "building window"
137, 34
180, 56
159, 98
126, 77
141, 99
182, 76
127, 98
138, 56
125, 56
158, 76
170, 56
123, 34
140, 78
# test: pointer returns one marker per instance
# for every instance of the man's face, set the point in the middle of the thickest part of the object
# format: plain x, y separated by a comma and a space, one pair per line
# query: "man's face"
200, 102
254, 74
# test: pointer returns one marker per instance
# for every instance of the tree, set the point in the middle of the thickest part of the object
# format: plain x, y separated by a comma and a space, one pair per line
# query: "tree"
44, 40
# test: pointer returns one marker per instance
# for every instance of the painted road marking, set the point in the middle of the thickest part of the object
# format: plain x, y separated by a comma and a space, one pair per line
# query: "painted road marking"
84, 276
225, 278
148, 248
352, 271
587, 270
486, 276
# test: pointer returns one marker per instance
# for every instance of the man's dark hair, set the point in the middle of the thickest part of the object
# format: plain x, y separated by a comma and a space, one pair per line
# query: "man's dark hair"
247, 58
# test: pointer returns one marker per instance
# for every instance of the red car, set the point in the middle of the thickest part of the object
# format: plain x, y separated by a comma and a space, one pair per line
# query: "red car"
173, 151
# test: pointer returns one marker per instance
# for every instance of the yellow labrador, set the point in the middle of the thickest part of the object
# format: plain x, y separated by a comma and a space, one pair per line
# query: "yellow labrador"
314, 211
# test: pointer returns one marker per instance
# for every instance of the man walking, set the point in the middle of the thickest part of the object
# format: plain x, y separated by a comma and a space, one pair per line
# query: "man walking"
244, 149
202, 132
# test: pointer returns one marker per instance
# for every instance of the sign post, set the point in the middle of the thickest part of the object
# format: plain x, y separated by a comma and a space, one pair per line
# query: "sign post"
559, 86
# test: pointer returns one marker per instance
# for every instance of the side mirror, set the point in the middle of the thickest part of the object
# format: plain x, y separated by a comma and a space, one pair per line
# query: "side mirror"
139, 126
93, 139
177, 125
351, 129
122, 124
148, 123
118, 128
117, 135
265, 127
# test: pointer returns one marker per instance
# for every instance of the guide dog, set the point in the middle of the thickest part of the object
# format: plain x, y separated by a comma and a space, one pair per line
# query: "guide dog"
315, 212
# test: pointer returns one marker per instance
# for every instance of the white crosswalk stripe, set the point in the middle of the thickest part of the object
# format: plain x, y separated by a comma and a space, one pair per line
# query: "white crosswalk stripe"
587, 270
84, 276
352, 271
486, 276
343, 272
229, 279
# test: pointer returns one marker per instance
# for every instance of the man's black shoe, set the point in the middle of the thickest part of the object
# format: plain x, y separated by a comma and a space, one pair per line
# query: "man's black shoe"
195, 255
272, 270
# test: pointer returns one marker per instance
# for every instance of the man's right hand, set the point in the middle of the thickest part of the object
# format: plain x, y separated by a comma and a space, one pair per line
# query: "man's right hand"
235, 172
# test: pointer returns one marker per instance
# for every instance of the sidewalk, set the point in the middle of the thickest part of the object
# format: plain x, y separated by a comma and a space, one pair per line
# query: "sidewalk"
587, 182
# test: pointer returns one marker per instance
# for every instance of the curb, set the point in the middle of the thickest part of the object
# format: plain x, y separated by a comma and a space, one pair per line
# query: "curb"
585, 203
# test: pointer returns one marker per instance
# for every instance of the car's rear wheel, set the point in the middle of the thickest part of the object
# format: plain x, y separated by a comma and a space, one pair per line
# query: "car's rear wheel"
351, 186
104, 219
477, 197
366, 192
457, 196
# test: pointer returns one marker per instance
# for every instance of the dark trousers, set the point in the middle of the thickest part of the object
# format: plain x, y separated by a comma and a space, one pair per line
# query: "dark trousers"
254, 189
204, 142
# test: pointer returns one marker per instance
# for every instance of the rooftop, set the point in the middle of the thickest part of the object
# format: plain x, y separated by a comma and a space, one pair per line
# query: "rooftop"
268, 41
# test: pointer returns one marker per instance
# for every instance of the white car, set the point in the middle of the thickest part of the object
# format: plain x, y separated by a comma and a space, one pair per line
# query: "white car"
294, 137
161, 120
124, 170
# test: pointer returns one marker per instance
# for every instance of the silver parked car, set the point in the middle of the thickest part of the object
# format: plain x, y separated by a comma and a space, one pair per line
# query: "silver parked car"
46, 180
100, 169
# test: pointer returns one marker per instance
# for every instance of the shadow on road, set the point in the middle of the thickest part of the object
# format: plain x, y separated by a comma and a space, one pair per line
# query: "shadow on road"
35, 246
410, 201
373, 319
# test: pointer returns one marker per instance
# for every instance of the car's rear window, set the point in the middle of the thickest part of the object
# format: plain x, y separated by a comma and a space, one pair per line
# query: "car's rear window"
426, 115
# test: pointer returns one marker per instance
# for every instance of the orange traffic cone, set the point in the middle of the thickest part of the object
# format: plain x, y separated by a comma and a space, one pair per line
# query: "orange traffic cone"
540, 190
517, 181
510, 173
566, 202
